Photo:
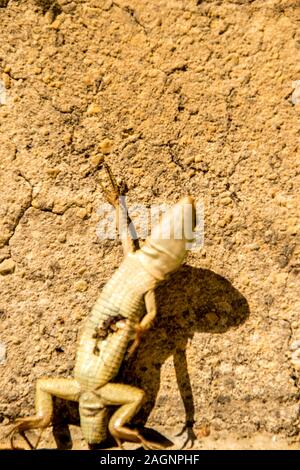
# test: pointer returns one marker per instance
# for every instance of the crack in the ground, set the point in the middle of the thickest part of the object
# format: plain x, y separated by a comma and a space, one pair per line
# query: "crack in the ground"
23, 210
28, 205
132, 13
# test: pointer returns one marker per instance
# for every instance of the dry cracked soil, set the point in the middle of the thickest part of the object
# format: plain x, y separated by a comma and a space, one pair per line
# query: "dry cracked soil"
180, 97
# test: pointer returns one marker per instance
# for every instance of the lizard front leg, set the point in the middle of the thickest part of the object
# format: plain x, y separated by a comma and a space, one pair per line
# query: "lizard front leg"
146, 322
69, 389
131, 399
115, 196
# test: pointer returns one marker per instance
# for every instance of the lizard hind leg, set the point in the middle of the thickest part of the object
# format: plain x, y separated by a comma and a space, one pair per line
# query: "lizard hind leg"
129, 399
68, 389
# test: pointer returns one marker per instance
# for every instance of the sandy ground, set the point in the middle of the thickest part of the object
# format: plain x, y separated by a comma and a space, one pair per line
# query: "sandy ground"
181, 97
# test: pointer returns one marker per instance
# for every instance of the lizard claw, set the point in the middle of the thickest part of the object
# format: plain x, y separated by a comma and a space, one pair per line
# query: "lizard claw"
116, 190
189, 437
23, 424
139, 331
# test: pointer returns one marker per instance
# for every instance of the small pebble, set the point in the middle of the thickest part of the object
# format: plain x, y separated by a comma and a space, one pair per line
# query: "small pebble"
67, 137
36, 70
62, 237
272, 176
193, 110
244, 280
4, 253
57, 22
107, 5
82, 213
91, 77
7, 266
6, 81
96, 160
60, 206
225, 220
189, 160
16, 341
226, 200
292, 229
222, 223
106, 146
53, 171
295, 345
81, 286
204, 431
138, 171
93, 109
253, 246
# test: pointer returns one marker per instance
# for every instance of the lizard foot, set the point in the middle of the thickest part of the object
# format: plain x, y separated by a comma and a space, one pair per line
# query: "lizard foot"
134, 435
24, 424
150, 445
139, 332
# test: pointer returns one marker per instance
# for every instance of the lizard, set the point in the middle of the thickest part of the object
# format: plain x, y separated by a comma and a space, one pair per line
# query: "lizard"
115, 320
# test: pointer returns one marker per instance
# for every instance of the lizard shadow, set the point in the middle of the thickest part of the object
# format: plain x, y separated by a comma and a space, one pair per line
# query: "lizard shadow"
193, 301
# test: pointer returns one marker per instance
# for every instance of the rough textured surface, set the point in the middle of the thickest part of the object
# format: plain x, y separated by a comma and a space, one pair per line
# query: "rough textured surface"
182, 97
